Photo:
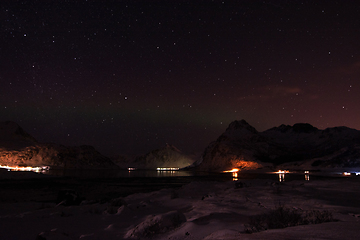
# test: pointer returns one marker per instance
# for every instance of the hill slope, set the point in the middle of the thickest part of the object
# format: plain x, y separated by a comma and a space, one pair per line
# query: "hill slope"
18, 148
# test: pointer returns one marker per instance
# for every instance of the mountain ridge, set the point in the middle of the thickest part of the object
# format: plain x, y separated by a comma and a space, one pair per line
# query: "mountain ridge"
242, 146
239, 146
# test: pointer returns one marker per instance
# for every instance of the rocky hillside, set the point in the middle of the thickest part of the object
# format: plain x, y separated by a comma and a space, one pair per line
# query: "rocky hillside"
242, 146
18, 148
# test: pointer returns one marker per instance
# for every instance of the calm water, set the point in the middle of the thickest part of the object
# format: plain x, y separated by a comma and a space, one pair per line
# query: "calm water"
190, 174
106, 173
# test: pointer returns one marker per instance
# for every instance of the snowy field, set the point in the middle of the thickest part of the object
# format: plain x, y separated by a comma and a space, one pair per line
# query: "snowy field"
170, 209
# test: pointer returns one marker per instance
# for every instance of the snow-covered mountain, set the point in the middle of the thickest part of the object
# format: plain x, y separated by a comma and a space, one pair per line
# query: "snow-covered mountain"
166, 157
18, 148
242, 146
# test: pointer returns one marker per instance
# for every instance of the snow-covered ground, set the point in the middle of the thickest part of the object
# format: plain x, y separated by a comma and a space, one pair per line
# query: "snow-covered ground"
197, 210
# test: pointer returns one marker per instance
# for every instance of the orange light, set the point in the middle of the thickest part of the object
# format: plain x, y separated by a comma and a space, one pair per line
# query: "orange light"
232, 170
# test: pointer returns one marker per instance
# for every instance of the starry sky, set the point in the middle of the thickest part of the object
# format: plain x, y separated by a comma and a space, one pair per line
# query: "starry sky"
130, 76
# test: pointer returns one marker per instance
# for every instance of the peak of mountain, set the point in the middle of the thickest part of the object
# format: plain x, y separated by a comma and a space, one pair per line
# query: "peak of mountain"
304, 128
238, 130
240, 125
13, 136
170, 147
296, 128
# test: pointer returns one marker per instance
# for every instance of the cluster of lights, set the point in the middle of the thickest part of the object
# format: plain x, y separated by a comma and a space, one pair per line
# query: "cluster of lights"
349, 173
168, 169
28, 169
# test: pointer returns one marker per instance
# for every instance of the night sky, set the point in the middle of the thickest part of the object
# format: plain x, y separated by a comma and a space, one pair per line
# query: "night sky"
130, 76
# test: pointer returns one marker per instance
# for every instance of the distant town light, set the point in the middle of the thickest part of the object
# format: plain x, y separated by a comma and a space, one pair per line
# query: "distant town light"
168, 169
28, 169
232, 170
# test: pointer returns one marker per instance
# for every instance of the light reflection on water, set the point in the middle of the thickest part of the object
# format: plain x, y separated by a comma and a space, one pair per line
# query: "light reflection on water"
235, 176
281, 177
172, 174
295, 176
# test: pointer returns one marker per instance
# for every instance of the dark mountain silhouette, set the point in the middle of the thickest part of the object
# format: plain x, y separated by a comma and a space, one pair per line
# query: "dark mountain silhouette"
242, 146
18, 148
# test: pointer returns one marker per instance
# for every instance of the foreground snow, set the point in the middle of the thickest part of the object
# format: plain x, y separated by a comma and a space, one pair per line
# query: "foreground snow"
198, 210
